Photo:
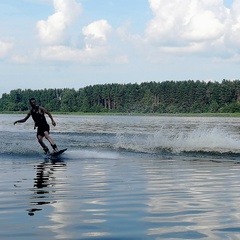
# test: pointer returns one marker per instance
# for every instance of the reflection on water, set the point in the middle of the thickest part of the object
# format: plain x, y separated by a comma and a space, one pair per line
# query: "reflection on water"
83, 206
198, 196
123, 198
44, 183
150, 199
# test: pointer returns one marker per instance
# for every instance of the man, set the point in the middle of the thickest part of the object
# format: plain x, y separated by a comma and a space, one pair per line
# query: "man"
37, 113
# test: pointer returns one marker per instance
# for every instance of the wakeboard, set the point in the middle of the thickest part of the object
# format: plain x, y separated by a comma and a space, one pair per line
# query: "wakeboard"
58, 153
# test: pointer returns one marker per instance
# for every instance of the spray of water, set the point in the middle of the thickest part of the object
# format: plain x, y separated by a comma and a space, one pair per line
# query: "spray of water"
201, 139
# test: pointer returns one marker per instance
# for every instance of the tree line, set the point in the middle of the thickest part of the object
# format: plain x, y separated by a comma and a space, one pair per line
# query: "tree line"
149, 97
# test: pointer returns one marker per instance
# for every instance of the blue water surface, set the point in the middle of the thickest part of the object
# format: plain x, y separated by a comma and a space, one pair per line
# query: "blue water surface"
122, 177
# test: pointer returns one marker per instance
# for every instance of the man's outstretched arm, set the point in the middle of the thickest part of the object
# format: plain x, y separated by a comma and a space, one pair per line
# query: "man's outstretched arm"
23, 120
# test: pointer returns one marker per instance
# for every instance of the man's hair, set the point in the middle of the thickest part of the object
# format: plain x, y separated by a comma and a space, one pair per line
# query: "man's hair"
32, 99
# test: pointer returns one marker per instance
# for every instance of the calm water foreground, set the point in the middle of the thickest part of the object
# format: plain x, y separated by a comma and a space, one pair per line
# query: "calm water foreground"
122, 177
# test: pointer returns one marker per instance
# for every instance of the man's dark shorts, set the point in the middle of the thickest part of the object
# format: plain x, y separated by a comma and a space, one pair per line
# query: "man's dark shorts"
42, 129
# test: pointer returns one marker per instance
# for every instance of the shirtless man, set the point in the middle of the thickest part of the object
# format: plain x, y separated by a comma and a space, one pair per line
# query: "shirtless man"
37, 113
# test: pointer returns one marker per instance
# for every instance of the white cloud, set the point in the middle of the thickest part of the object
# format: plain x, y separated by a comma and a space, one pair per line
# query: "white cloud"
177, 28
233, 28
188, 27
5, 47
96, 33
95, 49
53, 30
68, 54
61, 53
53, 33
179, 22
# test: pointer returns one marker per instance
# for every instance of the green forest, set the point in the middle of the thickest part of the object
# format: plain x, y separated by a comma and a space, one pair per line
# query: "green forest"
150, 97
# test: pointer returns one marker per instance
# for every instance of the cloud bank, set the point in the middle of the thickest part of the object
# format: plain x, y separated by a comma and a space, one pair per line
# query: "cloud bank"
190, 27
177, 28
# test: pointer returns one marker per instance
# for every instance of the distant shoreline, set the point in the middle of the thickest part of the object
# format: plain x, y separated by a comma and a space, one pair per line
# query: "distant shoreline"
138, 114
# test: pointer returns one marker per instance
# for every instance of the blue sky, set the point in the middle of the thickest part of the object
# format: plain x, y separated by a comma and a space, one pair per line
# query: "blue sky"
75, 43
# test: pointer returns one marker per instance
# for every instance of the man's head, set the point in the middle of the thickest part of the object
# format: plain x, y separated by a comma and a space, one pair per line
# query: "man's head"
32, 102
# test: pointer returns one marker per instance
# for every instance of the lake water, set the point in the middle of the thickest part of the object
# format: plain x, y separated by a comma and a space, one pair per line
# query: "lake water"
122, 178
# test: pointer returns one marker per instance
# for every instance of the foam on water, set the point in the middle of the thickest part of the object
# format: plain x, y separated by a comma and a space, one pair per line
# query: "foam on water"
199, 140
89, 154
